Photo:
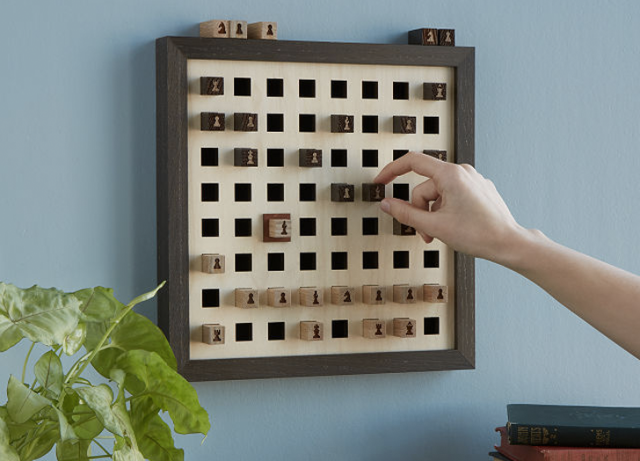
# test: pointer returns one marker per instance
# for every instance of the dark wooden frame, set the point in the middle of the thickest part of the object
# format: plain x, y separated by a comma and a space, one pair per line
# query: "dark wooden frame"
172, 54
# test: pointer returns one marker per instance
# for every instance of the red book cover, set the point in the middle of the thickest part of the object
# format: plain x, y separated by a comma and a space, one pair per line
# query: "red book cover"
546, 453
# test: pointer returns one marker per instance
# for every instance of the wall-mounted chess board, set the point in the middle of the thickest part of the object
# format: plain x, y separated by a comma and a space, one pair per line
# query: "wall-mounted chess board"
278, 260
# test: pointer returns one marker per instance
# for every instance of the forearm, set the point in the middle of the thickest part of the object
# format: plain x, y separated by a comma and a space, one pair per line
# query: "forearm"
606, 297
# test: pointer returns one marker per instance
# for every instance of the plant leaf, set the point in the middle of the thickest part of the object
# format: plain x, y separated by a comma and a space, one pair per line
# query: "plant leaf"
77, 450
98, 304
134, 332
41, 442
86, 426
74, 341
100, 399
48, 371
40, 314
146, 296
66, 431
157, 442
168, 390
7, 452
22, 402
124, 452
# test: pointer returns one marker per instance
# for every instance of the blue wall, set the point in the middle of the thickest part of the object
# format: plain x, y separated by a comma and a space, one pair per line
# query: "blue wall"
558, 99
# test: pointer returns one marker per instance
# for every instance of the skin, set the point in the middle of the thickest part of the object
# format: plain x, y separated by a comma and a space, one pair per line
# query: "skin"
457, 205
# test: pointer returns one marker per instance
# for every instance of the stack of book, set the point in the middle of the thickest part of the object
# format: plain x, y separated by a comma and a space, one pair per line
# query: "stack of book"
569, 433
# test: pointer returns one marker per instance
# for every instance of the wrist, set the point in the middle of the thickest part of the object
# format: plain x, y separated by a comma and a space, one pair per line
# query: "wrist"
520, 249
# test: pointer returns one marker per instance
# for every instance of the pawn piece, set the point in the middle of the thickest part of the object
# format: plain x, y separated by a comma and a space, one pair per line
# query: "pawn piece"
423, 37
211, 121
246, 298
374, 328
216, 28
244, 121
263, 30
405, 294
238, 29
342, 123
341, 192
374, 294
439, 154
343, 296
372, 192
446, 37
404, 124
402, 229
279, 297
434, 293
404, 328
213, 263
434, 91
310, 297
211, 86
310, 157
276, 227
212, 333
243, 156
310, 330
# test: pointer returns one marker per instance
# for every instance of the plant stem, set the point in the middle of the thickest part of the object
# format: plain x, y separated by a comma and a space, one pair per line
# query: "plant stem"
24, 367
100, 445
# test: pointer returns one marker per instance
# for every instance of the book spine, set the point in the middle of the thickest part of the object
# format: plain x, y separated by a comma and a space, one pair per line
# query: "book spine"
572, 436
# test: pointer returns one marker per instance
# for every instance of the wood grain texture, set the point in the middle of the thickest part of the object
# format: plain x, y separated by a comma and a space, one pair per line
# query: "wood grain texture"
172, 186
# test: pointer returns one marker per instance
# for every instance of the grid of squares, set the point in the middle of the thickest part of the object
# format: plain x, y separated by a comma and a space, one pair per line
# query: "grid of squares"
322, 243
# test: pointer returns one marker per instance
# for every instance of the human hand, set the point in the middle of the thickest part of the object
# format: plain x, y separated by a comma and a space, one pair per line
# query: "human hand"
456, 205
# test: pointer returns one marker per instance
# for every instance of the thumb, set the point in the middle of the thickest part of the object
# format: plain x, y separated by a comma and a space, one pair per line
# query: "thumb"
421, 220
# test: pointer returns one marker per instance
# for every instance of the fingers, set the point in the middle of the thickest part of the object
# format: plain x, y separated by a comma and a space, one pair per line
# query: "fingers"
418, 218
422, 164
423, 194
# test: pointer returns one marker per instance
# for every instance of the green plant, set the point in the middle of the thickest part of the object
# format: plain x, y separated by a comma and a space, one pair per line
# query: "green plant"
66, 410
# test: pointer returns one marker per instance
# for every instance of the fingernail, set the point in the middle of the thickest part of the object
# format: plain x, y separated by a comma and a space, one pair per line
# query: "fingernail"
385, 206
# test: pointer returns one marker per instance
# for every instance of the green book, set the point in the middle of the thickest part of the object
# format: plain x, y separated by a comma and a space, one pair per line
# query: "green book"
573, 426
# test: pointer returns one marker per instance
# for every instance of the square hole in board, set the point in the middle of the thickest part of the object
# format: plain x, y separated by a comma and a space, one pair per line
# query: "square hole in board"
339, 328
339, 261
370, 158
307, 123
307, 226
400, 90
275, 192
242, 86
401, 260
275, 331
307, 192
275, 261
339, 89
369, 259
243, 262
432, 325
275, 122
431, 259
209, 156
369, 123
401, 191
431, 125
210, 297
275, 87
243, 227
339, 157
210, 227
210, 192
397, 153
369, 226
338, 226
369, 90
275, 157
307, 261
307, 88
244, 332
242, 192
